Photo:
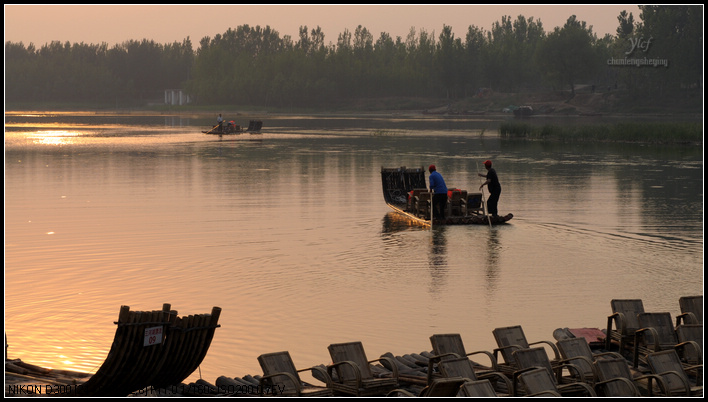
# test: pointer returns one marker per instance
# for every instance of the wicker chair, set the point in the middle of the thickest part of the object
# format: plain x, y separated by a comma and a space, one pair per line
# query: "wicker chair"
278, 368
458, 203
577, 351
537, 357
691, 310
450, 346
537, 381
422, 204
613, 378
656, 333
624, 316
513, 338
666, 364
462, 367
353, 372
690, 346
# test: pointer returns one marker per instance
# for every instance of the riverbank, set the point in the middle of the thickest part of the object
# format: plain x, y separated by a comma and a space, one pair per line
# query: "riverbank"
661, 133
27, 380
585, 101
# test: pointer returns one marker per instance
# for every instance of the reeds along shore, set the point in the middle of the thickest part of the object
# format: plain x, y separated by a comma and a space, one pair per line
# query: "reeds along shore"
684, 133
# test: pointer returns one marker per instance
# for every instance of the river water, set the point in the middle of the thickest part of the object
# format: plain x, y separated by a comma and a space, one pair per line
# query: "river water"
288, 233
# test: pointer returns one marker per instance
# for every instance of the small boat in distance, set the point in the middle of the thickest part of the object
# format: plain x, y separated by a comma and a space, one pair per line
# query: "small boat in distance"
230, 128
405, 192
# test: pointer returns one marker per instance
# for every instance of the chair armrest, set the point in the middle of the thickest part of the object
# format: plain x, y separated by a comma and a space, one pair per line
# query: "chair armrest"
574, 386
546, 393
497, 350
501, 376
553, 347
558, 369
626, 381
394, 367
397, 392
699, 369
515, 378
687, 318
638, 335
611, 354
320, 370
295, 382
697, 351
436, 359
568, 362
354, 366
495, 367
620, 327
662, 384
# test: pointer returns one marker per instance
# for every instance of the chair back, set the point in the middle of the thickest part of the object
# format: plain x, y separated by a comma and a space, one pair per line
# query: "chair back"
662, 324
667, 364
443, 387
448, 343
478, 389
577, 350
510, 339
277, 362
610, 369
414, 196
690, 333
456, 202
536, 381
474, 200
459, 367
532, 357
350, 351
422, 204
629, 308
693, 305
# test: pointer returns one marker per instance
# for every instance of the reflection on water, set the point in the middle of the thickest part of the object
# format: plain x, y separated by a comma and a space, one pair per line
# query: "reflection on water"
494, 251
437, 260
288, 233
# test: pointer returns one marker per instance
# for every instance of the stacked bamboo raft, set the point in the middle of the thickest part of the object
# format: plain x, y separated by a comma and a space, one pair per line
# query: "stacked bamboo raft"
151, 349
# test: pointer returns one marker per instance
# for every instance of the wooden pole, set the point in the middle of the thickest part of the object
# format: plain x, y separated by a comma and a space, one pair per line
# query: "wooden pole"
432, 193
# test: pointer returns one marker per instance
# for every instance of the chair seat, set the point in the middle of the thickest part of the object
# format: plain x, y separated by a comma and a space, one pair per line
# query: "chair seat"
370, 387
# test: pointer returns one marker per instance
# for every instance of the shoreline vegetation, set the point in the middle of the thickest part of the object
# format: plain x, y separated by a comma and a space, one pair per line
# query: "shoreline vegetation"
676, 133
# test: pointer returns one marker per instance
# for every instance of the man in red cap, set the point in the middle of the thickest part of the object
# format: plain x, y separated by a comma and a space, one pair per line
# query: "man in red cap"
439, 189
494, 187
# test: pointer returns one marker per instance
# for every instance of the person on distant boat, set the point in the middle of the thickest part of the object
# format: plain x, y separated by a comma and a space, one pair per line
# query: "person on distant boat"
494, 187
220, 122
439, 189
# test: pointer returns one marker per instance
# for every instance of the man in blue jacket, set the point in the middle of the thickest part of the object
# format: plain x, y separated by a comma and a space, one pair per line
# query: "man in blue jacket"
439, 189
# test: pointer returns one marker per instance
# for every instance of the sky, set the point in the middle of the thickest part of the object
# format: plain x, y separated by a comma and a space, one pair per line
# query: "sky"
115, 24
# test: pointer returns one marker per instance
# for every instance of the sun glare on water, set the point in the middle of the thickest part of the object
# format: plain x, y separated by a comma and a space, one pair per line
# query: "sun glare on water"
54, 137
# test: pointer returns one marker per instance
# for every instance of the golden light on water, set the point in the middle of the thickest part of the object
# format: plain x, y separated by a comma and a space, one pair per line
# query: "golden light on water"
54, 137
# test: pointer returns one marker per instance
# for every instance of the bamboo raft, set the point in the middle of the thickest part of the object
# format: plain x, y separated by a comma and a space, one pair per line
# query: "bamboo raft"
151, 349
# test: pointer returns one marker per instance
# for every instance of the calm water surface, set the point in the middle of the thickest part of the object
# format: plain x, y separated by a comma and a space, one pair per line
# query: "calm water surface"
288, 233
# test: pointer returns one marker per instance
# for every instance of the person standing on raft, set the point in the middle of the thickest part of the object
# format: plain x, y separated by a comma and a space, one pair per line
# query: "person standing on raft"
494, 187
439, 189
220, 123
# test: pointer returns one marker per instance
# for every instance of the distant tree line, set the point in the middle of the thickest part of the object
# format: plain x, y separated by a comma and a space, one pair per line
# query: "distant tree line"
256, 66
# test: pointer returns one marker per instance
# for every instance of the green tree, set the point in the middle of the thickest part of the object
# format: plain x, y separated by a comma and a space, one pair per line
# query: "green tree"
568, 54
676, 34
